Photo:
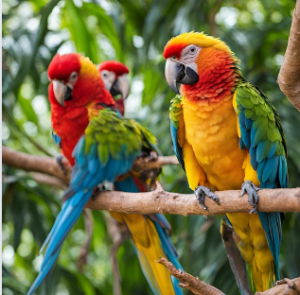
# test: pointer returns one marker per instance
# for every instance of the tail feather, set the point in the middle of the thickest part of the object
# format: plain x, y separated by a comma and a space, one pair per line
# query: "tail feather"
157, 275
46, 269
64, 222
151, 240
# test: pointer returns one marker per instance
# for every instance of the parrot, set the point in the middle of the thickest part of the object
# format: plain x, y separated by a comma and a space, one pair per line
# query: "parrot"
227, 136
115, 77
98, 142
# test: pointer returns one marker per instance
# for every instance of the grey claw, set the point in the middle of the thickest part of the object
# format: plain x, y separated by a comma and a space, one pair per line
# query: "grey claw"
249, 188
59, 161
201, 192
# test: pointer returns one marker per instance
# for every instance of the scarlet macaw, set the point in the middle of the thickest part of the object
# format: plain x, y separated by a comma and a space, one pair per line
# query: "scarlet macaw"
227, 135
115, 77
99, 143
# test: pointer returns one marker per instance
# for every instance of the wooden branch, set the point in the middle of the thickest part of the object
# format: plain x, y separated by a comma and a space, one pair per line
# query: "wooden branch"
49, 180
42, 164
193, 284
284, 287
237, 263
189, 282
140, 164
48, 165
160, 201
118, 234
289, 75
84, 250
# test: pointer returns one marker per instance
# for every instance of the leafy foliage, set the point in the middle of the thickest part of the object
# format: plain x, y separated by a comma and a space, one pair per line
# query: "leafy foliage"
133, 32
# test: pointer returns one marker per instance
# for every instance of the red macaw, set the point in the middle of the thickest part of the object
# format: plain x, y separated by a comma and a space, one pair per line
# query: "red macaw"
227, 135
115, 77
99, 143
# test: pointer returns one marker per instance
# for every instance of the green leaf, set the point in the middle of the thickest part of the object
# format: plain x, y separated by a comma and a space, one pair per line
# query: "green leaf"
27, 109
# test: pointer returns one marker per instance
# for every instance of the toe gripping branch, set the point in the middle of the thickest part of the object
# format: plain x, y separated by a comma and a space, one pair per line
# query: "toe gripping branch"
249, 188
201, 192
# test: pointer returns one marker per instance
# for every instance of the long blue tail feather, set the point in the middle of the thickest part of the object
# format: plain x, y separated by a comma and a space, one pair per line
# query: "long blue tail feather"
64, 222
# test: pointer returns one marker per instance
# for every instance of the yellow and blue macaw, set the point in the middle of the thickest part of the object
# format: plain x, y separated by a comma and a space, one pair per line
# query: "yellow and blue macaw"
227, 135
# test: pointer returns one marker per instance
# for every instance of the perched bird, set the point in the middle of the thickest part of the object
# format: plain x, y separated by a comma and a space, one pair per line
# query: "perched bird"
115, 77
98, 142
227, 135
149, 233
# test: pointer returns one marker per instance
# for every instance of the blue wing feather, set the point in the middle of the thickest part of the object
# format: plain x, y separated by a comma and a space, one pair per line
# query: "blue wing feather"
56, 138
176, 146
271, 168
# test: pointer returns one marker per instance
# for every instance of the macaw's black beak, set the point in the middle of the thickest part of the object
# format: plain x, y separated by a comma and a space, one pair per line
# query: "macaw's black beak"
121, 86
62, 92
176, 72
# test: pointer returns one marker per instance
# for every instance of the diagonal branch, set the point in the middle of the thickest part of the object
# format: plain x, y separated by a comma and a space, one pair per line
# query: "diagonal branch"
189, 282
193, 284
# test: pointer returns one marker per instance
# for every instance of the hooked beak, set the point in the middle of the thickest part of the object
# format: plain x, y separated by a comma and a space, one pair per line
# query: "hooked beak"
176, 72
62, 92
120, 86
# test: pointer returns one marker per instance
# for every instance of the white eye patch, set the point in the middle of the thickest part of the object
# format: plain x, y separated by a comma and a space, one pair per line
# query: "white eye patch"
189, 55
190, 51
72, 79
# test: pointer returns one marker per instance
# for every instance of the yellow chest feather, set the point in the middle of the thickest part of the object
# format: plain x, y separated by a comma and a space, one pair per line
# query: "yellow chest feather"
211, 130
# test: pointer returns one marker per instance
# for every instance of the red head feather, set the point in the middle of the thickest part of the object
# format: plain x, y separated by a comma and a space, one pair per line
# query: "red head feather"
62, 66
173, 50
114, 66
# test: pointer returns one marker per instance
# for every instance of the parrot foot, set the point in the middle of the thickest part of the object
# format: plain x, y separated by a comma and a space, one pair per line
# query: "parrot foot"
100, 188
249, 188
63, 164
149, 157
201, 192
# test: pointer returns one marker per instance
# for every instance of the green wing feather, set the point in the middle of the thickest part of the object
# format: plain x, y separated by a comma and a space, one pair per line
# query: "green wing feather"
175, 114
262, 135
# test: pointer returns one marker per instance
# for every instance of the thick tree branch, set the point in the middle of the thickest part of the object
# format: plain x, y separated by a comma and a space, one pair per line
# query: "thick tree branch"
289, 75
42, 164
284, 287
48, 165
160, 201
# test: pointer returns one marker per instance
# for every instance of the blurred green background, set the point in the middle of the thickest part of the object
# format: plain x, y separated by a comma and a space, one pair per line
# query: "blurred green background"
135, 33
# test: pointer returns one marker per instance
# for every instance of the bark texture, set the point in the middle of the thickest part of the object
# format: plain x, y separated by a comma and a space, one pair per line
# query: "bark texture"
289, 75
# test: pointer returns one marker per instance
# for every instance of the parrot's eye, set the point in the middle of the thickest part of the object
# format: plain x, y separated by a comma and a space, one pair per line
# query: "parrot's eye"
174, 57
190, 52
73, 77
104, 75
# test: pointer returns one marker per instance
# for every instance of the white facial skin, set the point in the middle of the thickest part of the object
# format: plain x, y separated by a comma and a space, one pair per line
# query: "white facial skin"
188, 58
122, 83
60, 87
189, 55
108, 78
